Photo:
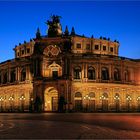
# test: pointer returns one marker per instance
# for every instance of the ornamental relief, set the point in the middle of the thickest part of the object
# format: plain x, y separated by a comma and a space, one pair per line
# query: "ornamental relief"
52, 50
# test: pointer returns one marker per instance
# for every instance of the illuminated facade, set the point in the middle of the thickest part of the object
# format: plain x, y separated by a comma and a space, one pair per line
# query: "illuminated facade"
63, 71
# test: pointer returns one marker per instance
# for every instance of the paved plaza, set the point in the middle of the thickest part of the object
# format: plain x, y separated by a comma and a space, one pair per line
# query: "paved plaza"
69, 126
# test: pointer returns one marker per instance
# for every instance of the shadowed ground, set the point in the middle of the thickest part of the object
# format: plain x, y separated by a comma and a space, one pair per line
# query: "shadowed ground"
69, 126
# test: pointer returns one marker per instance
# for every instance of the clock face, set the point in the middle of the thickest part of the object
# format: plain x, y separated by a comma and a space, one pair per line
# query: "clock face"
52, 50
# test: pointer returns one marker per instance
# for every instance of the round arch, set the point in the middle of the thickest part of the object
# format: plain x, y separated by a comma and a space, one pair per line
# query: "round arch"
51, 99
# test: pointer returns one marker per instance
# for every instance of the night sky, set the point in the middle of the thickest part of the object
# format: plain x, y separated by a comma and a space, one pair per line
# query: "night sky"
116, 20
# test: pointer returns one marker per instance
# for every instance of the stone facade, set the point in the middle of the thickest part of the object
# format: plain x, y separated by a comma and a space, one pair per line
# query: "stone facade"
69, 72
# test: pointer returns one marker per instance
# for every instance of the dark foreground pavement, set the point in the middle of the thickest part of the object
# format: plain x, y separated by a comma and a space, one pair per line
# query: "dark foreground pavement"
69, 126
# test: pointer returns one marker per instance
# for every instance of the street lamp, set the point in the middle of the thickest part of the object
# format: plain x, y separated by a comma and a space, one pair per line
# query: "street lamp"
103, 97
1, 100
138, 100
129, 99
22, 99
11, 99
87, 99
104, 102
117, 99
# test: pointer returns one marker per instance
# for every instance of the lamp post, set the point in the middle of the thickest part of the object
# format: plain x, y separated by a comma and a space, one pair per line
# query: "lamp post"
11, 99
1, 101
138, 100
104, 103
129, 99
22, 99
31, 104
117, 99
87, 100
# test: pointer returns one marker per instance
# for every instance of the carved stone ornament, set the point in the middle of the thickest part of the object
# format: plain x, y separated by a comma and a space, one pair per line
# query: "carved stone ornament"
52, 50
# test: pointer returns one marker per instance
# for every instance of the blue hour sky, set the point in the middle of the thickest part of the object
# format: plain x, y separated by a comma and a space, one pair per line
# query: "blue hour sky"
118, 20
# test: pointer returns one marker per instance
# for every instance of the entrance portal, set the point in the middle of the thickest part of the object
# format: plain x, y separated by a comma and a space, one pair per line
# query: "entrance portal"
51, 99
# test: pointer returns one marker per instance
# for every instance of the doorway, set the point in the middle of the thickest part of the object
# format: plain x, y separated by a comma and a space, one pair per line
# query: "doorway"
51, 99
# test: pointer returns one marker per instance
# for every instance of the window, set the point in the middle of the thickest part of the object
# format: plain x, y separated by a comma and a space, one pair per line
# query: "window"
28, 50
116, 75
12, 76
105, 74
5, 78
22, 52
77, 73
17, 53
96, 47
23, 74
55, 74
111, 49
105, 95
78, 46
126, 76
91, 73
91, 95
104, 48
88, 46
78, 95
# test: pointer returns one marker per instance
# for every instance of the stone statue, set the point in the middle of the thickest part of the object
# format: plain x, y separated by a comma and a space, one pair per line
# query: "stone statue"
54, 26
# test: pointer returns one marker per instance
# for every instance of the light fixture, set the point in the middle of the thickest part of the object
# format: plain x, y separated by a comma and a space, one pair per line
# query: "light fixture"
87, 97
11, 98
116, 97
138, 98
128, 98
22, 98
103, 97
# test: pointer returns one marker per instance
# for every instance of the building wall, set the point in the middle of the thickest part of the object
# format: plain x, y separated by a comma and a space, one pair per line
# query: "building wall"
127, 94
16, 97
48, 73
94, 46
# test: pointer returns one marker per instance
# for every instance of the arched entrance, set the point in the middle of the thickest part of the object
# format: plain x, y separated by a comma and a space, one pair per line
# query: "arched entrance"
51, 99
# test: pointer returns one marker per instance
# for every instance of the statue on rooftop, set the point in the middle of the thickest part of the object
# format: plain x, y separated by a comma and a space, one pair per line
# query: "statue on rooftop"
54, 26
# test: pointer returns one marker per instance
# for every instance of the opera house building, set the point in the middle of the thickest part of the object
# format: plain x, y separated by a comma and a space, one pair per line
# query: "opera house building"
64, 71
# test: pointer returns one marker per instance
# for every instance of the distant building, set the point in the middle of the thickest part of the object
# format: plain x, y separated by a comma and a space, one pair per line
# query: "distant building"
66, 71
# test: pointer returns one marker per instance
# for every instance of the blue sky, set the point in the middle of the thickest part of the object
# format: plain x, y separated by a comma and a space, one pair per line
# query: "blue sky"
117, 20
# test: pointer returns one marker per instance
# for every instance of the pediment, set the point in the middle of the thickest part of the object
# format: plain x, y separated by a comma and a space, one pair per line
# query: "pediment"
54, 65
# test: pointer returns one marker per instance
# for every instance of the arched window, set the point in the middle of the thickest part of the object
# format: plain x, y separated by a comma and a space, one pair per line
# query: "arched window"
126, 76
116, 75
105, 74
77, 73
91, 73
91, 95
23, 74
78, 95
105, 95
5, 78
12, 76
